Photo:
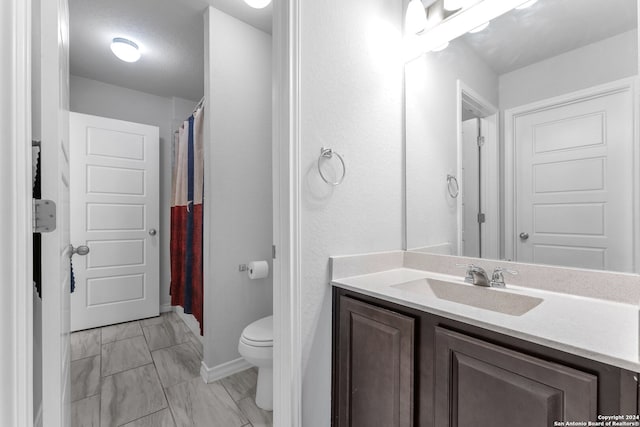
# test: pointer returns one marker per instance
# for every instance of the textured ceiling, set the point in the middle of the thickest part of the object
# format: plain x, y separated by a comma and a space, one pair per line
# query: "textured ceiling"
549, 28
170, 34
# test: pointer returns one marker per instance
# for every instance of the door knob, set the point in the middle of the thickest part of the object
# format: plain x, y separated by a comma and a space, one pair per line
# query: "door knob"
152, 232
80, 250
524, 236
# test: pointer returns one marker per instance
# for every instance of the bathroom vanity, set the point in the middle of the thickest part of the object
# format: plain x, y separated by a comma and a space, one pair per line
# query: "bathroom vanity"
418, 348
514, 151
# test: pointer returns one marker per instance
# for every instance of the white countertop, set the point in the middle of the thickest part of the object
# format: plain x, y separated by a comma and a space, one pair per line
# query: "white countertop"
596, 329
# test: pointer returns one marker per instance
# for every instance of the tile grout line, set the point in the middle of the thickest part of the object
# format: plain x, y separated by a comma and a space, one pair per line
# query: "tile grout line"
139, 418
164, 390
234, 402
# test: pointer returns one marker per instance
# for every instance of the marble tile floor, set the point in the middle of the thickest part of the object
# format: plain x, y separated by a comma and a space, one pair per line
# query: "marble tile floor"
147, 374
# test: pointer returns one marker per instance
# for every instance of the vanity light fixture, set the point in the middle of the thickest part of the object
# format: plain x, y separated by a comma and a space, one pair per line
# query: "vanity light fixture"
527, 4
416, 17
474, 15
258, 4
125, 49
440, 48
452, 5
480, 28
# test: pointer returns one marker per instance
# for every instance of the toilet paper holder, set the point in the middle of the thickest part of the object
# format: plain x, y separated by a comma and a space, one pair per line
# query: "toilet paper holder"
260, 271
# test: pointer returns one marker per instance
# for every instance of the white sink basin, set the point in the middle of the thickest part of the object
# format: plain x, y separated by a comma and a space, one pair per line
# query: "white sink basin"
500, 301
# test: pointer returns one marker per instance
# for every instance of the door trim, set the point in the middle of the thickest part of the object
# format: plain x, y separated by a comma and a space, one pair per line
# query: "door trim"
287, 361
16, 327
490, 162
510, 184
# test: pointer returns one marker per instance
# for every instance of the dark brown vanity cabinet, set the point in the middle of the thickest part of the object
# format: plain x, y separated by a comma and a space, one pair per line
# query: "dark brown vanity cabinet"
375, 366
481, 384
395, 366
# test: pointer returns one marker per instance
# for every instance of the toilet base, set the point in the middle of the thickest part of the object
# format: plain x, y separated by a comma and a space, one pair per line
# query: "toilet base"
264, 391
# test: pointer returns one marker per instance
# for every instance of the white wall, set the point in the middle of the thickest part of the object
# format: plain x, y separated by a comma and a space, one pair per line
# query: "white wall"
351, 101
238, 201
431, 126
601, 62
102, 99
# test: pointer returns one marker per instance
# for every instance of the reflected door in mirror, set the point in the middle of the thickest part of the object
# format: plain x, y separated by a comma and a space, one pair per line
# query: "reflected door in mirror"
574, 187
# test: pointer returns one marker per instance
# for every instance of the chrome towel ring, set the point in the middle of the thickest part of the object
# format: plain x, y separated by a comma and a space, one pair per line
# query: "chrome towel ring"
327, 153
452, 186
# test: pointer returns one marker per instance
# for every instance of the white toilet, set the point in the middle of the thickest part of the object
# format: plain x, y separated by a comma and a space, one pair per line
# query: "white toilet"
256, 346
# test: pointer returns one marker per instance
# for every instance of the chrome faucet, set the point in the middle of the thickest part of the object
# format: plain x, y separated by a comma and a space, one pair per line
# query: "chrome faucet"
497, 279
476, 275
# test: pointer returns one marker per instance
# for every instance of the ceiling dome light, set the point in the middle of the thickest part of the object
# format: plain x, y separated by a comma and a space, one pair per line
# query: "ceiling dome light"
527, 4
480, 27
125, 49
416, 17
258, 4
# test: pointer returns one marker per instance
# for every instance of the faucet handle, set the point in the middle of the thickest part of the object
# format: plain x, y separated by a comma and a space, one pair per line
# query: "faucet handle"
470, 269
497, 279
505, 270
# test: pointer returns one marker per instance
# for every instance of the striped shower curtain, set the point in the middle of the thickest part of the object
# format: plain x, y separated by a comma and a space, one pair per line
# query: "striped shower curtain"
186, 217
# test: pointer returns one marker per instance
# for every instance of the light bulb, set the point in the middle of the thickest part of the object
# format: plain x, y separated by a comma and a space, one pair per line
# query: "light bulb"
527, 4
451, 5
480, 27
441, 47
125, 49
416, 17
258, 4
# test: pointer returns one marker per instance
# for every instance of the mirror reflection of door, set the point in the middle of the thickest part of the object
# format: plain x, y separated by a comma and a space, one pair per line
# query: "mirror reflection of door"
574, 191
471, 184
479, 170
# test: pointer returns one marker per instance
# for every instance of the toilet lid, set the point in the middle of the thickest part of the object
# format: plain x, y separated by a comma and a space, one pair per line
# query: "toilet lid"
260, 331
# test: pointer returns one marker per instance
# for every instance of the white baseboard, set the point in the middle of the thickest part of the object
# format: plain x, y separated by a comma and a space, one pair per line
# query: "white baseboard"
37, 421
165, 308
216, 373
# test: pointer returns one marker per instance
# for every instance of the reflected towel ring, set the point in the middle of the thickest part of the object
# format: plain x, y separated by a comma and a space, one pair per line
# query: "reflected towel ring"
453, 192
327, 153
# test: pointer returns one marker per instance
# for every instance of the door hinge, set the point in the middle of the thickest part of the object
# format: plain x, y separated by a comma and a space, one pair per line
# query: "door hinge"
273, 251
44, 216
481, 218
480, 141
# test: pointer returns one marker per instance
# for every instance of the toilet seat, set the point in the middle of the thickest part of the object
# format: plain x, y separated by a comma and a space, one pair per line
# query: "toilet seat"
259, 333
251, 343
256, 346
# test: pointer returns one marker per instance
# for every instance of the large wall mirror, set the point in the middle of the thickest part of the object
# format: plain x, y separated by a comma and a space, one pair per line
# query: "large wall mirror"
522, 139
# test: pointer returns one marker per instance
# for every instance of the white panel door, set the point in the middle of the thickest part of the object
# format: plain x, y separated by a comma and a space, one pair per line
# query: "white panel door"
115, 212
574, 194
54, 121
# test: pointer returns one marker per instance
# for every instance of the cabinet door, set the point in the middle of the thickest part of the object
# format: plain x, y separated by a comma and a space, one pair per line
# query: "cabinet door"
483, 385
375, 363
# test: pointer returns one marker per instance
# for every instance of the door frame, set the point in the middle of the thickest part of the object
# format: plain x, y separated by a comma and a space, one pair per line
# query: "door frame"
16, 394
287, 264
490, 161
16, 327
510, 153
